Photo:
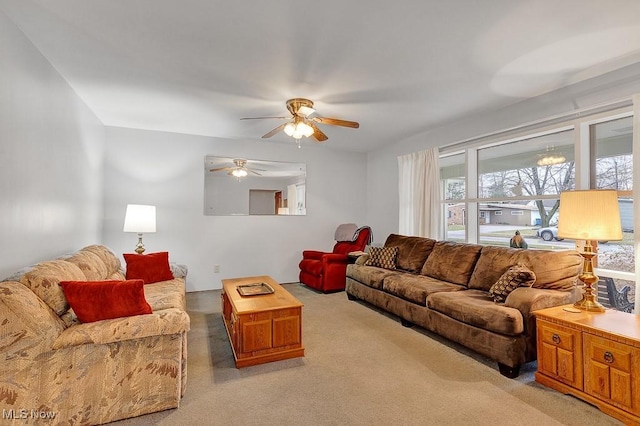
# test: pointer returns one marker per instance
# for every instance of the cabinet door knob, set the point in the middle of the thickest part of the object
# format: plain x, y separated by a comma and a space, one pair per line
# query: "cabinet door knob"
555, 338
608, 357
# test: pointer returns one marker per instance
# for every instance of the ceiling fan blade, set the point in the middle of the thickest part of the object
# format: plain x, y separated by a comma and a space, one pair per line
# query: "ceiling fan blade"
263, 118
274, 131
305, 111
255, 173
336, 122
221, 168
318, 134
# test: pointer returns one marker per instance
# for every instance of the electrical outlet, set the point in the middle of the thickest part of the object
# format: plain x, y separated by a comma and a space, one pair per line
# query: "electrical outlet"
216, 269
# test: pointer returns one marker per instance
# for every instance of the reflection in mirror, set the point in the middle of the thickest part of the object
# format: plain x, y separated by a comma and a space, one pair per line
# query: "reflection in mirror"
239, 186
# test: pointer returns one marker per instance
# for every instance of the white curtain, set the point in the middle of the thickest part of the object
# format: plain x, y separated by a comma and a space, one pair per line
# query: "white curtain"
419, 189
292, 199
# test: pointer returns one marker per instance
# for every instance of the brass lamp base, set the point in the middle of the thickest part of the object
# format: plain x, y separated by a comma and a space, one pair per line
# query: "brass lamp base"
589, 301
589, 305
139, 247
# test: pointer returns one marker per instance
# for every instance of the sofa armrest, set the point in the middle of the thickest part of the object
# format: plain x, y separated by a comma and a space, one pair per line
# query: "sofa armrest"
362, 259
527, 299
164, 322
178, 270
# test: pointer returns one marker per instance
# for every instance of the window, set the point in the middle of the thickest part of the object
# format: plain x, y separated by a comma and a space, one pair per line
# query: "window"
453, 178
611, 147
524, 177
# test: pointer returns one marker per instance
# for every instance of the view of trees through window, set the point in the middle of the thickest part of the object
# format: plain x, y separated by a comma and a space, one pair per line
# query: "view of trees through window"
612, 160
519, 185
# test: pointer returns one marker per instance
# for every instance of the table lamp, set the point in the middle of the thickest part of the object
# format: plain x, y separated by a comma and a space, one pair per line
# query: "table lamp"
591, 215
140, 219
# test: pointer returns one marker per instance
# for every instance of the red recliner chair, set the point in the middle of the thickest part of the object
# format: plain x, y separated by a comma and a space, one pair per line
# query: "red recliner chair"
327, 271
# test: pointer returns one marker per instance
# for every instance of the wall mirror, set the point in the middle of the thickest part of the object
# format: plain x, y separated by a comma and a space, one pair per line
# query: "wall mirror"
235, 186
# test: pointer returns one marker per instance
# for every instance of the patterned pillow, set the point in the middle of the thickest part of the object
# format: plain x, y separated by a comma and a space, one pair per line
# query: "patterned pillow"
383, 257
516, 276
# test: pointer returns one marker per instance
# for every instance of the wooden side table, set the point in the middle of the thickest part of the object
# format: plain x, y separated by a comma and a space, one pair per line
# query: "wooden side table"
593, 356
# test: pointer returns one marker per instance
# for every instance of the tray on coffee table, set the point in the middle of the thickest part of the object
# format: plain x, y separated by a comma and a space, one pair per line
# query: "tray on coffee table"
254, 289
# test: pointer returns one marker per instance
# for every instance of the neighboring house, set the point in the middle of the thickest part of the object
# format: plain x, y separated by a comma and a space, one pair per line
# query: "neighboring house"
494, 213
626, 214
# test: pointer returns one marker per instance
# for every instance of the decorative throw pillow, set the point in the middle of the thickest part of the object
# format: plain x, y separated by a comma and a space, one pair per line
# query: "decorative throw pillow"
151, 268
100, 300
516, 276
383, 257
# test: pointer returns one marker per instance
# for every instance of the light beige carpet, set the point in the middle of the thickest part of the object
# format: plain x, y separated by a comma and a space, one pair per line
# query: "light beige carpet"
361, 367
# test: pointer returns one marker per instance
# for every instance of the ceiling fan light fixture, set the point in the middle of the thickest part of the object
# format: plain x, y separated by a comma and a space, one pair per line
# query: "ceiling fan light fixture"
551, 157
550, 160
239, 173
298, 130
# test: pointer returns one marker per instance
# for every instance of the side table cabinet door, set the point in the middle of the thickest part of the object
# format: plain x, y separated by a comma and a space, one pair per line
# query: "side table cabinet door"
612, 372
287, 330
560, 353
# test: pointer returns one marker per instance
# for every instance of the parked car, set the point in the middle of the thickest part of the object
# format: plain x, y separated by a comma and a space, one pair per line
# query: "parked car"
551, 233
548, 233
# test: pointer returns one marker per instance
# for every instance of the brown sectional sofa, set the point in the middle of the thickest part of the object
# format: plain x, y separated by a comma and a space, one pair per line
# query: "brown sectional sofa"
444, 287
96, 372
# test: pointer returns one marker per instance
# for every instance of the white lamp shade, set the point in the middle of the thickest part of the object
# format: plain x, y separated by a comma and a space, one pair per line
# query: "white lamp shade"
591, 215
140, 218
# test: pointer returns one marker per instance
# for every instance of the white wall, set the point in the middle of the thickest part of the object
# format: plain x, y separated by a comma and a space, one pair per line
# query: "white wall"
51, 150
167, 170
382, 191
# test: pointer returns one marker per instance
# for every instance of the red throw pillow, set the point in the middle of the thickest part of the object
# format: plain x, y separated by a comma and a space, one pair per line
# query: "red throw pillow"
100, 300
151, 268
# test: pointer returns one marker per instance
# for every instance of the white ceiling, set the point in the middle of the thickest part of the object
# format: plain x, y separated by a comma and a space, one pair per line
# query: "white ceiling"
397, 67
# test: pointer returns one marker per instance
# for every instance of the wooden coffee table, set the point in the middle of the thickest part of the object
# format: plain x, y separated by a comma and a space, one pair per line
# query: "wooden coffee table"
263, 327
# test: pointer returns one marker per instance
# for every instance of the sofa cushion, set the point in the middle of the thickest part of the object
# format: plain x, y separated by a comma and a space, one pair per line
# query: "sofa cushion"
416, 288
475, 307
44, 279
100, 300
516, 276
412, 251
89, 263
556, 270
166, 295
383, 257
26, 322
369, 275
111, 261
152, 267
452, 262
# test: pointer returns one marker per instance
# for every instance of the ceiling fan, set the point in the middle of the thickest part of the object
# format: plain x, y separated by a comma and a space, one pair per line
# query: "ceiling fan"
301, 123
240, 169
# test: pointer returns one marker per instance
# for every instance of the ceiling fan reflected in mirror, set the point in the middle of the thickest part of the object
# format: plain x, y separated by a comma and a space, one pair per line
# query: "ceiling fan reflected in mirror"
239, 170
302, 124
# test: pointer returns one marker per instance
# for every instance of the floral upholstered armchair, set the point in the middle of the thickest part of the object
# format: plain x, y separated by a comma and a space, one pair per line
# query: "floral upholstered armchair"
327, 271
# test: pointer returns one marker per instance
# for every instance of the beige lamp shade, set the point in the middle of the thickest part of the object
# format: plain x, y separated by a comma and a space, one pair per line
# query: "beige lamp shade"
140, 218
591, 215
